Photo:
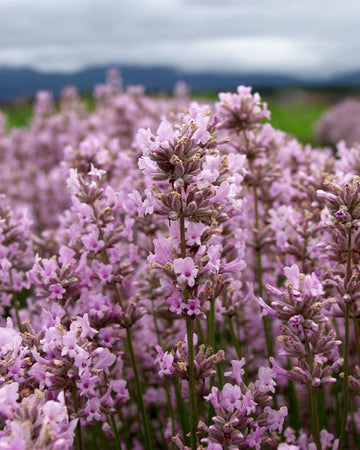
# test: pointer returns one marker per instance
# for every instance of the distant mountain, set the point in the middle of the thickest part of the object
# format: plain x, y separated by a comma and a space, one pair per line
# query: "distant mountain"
20, 83
351, 79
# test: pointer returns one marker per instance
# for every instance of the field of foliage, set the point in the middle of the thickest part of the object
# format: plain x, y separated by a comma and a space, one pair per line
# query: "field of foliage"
176, 274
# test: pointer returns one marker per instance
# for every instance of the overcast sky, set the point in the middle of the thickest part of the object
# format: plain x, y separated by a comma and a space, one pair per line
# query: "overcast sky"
302, 37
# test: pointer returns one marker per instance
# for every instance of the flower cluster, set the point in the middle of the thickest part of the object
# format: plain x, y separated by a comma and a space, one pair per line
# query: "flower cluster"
16, 255
244, 418
175, 362
198, 200
35, 422
304, 332
243, 110
175, 274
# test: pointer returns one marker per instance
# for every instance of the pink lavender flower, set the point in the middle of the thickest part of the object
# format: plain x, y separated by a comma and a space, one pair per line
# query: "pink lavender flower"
92, 241
243, 110
57, 291
185, 270
230, 397
237, 371
92, 410
165, 361
193, 233
193, 307
8, 398
266, 381
275, 419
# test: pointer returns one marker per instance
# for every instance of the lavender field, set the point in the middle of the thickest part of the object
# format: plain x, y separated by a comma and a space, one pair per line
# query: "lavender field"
176, 275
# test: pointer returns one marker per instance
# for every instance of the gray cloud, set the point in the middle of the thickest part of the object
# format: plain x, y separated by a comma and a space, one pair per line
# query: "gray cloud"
321, 36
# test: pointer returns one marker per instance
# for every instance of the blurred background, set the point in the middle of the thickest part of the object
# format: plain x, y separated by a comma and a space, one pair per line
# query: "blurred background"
302, 57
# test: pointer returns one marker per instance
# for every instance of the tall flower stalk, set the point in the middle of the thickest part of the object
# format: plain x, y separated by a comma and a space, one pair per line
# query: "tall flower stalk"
242, 114
304, 335
343, 203
190, 340
192, 193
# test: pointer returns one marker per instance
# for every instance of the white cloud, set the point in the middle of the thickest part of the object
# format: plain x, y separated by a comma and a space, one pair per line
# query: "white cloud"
321, 37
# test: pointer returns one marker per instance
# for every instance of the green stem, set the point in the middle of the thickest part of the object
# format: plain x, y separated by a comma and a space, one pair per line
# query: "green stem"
15, 302
111, 420
346, 378
171, 409
259, 276
144, 416
182, 234
211, 341
259, 271
295, 420
211, 324
237, 345
357, 337
184, 417
125, 434
98, 438
192, 384
200, 331
166, 382
219, 370
78, 431
336, 409
314, 415
16, 308
190, 339
321, 402
115, 432
346, 348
